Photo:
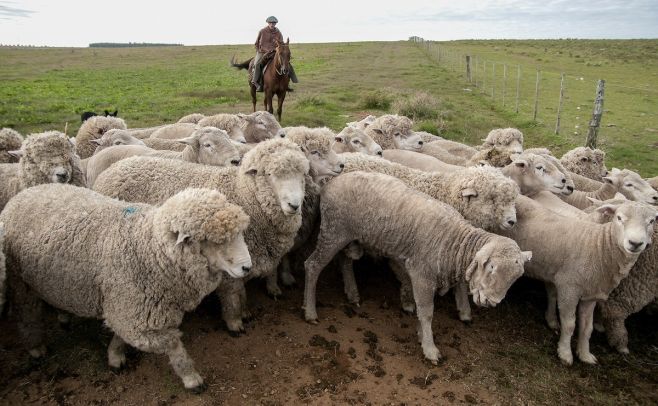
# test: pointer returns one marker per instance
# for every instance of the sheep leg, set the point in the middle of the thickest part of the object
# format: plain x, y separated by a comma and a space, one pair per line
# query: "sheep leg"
28, 307
551, 306
406, 290
349, 282
116, 353
329, 243
285, 273
461, 300
229, 293
585, 326
424, 289
616, 332
272, 285
567, 304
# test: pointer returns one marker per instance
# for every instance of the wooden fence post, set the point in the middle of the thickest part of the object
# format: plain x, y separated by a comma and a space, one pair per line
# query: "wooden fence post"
484, 78
518, 86
559, 104
493, 80
476, 71
594, 124
504, 83
468, 68
534, 114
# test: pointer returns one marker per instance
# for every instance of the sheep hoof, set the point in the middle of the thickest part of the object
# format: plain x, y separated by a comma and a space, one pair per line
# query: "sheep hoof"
408, 308
199, 389
236, 334
588, 358
38, 352
467, 322
623, 350
566, 359
312, 321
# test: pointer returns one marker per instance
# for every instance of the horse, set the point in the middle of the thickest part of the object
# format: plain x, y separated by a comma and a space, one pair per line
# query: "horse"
276, 76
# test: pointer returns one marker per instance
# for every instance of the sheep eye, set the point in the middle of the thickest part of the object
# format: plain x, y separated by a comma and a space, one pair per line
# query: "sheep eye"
315, 152
117, 142
540, 168
207, 145
629, 185
619, 218
356, 142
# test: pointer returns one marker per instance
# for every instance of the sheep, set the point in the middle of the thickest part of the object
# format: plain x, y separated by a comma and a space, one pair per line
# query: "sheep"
145, 132
164, 145
392, 131
534, 173
268, 185
352, 139
435, 150
231, 123
3, 270
580, 262
92, 129
207, 145
10, 140
506, 139
193, 118
44, 158
453, 148
174, 131
586, 162
137, 267
259, 126
653, 182
428, 137
624, 181
115, 137
363, 123
583, 183
358, 206
417, 160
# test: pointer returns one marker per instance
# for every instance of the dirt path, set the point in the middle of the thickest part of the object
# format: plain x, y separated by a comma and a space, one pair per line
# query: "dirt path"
368, 355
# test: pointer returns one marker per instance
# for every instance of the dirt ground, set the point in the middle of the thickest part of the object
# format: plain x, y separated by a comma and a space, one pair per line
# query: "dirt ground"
366, 355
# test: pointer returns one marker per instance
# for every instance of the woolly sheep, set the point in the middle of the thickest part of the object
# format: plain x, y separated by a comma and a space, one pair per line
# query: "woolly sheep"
317, 145
207, 145
145, 132
10, 140
268, 185
354, 206
394, 132
164, 145
363, 123
509, 139
142, 290
93, 129
416, 160
653, 182
193, 118
174, 131
114, 138
586, 162
231, 123
434, 149
580, 262
352, 139
534, 173
455, 149
44, 158
260, 126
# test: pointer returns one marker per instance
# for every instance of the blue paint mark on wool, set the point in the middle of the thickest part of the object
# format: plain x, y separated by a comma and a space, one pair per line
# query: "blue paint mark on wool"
128, 211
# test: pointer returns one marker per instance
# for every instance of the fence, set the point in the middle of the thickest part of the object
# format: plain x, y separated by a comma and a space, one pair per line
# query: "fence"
573, 106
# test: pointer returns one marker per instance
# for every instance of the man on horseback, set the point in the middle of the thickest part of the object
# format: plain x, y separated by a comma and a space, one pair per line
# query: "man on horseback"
266, 42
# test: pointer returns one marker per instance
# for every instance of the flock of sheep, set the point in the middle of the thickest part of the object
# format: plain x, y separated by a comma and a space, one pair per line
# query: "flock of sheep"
136, 226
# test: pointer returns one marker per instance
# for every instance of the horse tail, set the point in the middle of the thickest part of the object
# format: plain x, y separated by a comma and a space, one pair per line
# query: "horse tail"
243, 65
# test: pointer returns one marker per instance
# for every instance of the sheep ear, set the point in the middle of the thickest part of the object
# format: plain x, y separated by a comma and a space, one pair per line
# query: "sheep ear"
595, 202
340, 138
97, 141
242, 115
526, 255
188, 141
614, 171
182, 239
378, 130
521, 163
16, 154
469, 192
607, 209
583, 159
101, 131
471, 269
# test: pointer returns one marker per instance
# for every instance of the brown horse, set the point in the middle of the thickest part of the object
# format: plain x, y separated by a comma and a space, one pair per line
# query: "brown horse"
276, 76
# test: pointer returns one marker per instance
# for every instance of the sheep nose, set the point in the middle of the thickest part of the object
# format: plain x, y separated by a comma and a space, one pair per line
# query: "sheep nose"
380, 153
635, 245
62, 177
293, 206
235, 162
511, 222
342, 166
570, 188
420, 142
246, 269
655, 198
564, 180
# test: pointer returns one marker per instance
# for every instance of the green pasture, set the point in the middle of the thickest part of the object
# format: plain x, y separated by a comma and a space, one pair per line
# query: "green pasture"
46, 88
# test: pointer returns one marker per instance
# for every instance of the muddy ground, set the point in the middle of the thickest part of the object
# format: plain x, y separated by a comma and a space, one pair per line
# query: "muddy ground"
367, 355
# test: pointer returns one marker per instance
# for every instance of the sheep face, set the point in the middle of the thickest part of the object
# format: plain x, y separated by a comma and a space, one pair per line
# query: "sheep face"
505, 139
533, 173
237, 135
410, 140
213, 147
115, 137
633, 223
47, 158
231, 257
260, 126
632, 186
586, 162
55, 169
493, 270
352, 139
289, 191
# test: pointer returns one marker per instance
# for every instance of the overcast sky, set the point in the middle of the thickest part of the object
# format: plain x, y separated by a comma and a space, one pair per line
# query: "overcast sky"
199, 22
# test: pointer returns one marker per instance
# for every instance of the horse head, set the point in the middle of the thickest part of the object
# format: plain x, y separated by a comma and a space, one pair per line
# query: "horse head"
282, 57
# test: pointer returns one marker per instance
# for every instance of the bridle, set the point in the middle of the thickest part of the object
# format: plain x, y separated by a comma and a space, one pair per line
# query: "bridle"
280, 67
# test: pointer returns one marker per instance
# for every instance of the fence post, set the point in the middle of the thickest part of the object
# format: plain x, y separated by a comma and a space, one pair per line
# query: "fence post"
476, 71
534, 114
484, 77
468, 68
504, 83
493, 80
559, 104
518, 86
594, 124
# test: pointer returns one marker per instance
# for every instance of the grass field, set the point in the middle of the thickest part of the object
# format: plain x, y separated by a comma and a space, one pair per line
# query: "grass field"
45, 88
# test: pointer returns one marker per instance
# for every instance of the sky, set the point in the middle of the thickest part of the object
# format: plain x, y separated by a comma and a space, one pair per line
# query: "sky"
76, 23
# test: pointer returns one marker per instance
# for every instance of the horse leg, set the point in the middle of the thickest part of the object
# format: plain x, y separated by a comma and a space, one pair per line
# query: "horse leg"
252, 89
281, 96
268, 102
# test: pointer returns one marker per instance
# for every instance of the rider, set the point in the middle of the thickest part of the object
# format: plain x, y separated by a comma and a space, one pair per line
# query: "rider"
266, 42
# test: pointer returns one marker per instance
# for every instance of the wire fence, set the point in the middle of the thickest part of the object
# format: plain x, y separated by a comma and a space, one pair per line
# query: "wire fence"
565, 103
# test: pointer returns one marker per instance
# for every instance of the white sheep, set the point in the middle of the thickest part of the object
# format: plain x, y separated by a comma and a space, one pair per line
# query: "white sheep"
363, 123
174, 131
231, 123
653, 182
580, 262
268, 185
207, 145
259, 126
135, 266
436, 150
352, 139
416, 160
359, 206
392, 131
586, 162
507, 139
193, 118
454, 148
93, 129
44, 158
10, 140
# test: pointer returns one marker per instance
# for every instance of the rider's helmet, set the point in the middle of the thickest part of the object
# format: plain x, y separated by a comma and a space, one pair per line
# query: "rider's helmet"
271, 19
